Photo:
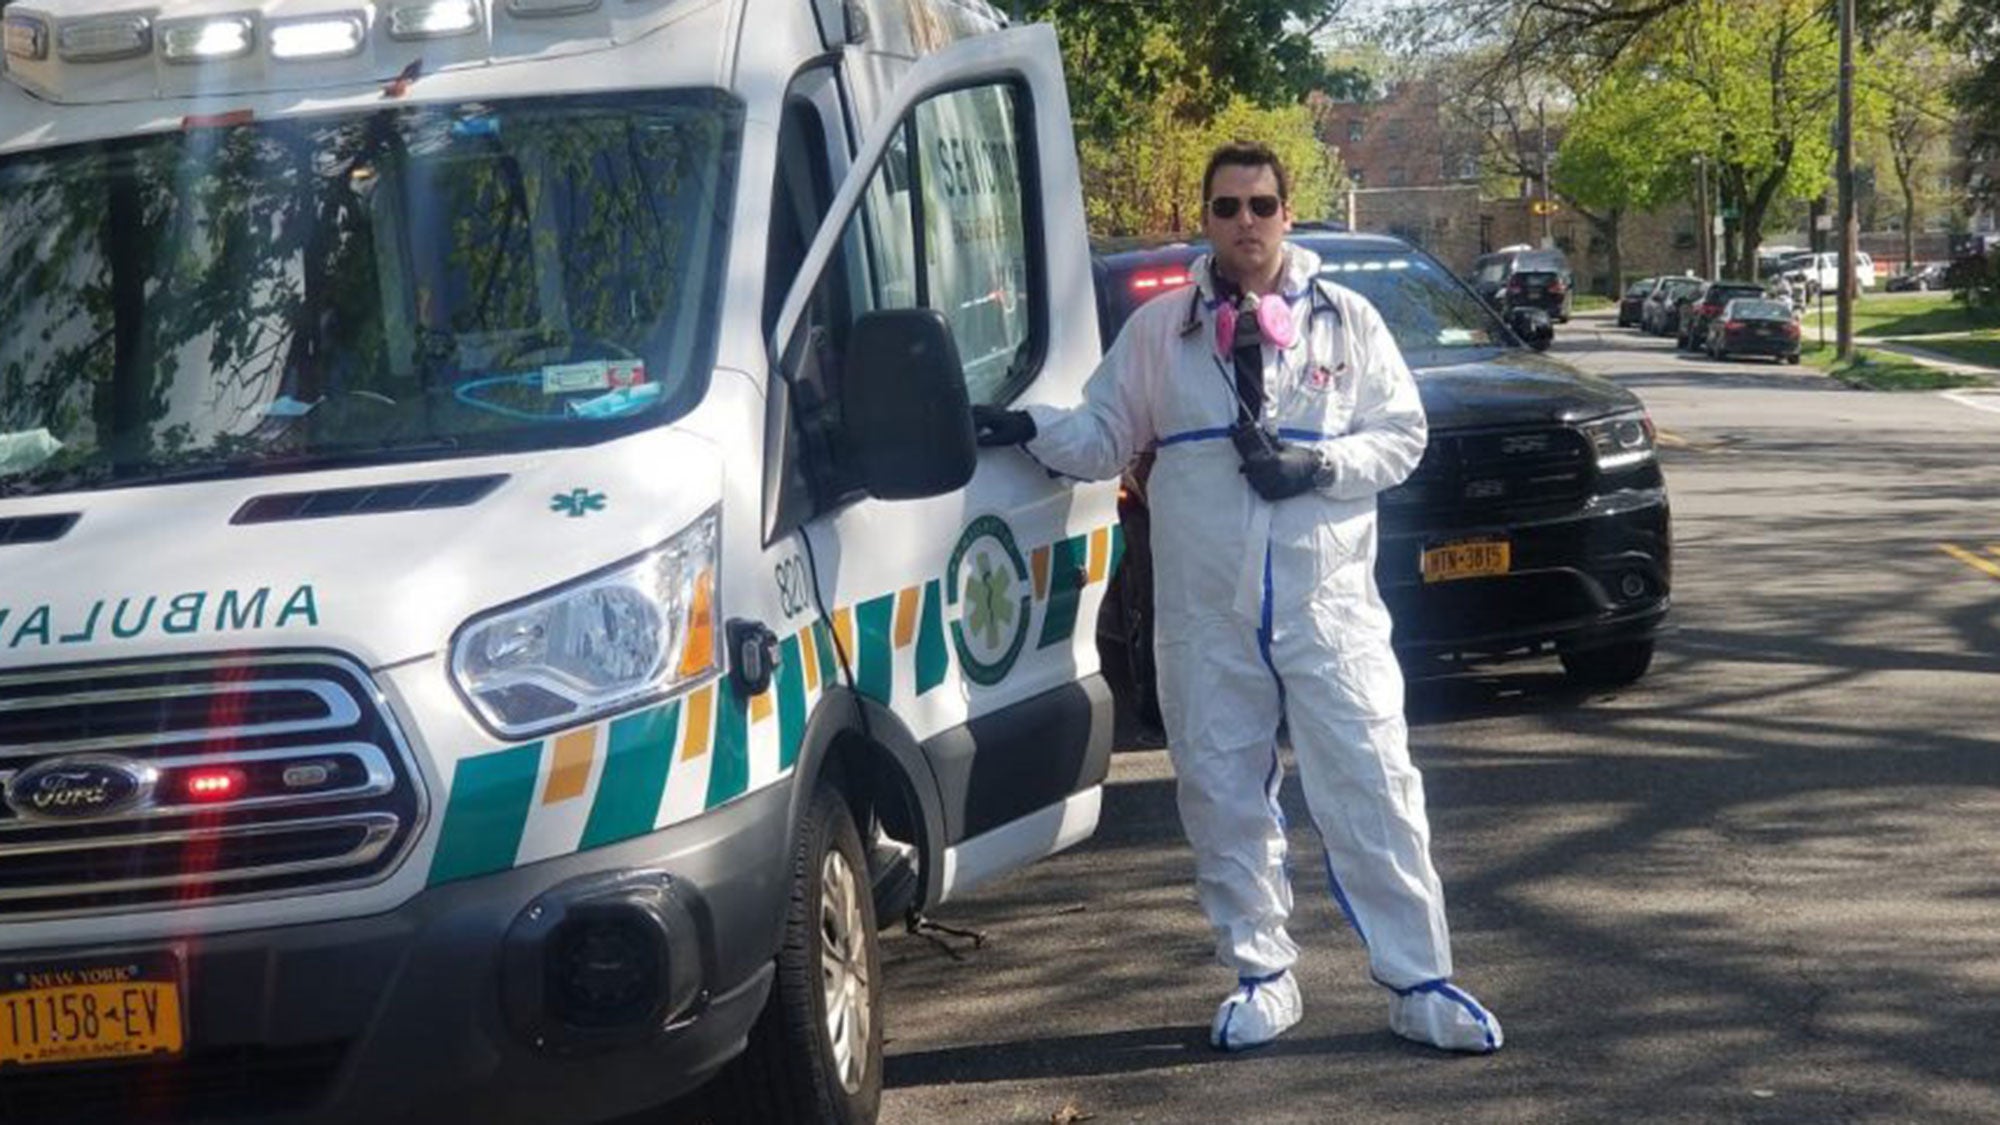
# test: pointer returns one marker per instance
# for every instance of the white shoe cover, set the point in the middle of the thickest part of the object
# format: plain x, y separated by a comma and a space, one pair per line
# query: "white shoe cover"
1446, 1017
1256, 1013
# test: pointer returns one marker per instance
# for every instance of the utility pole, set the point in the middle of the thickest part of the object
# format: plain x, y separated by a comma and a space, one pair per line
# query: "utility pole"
1843, 321
1705, 236
1542, 124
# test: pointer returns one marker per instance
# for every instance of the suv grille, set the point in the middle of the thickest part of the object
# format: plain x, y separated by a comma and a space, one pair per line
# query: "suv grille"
1472, 478
168, 783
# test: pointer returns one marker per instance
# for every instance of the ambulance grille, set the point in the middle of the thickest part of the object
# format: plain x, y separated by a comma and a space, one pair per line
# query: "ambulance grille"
168, 783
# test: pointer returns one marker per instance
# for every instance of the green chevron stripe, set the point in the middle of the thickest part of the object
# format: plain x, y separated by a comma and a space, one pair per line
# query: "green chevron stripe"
635, 776
876, 674
729, 762
933, 654
829, 664
487, 812
1066, 577
791, 702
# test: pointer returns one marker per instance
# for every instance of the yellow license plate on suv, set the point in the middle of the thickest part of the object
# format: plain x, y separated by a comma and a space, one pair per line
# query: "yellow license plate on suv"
1477, 558
117, 1006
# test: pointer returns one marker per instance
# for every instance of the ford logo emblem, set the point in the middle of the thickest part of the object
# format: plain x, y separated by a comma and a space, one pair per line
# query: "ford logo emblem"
79, 788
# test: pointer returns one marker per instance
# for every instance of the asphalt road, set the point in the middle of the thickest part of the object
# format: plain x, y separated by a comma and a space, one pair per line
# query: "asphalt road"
1758, 887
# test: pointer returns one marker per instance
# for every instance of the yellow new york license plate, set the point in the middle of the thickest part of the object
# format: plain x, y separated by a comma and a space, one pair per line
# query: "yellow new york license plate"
72, 1011
1478, 558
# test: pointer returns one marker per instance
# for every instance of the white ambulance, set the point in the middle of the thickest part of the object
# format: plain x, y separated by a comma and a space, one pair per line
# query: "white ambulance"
498, 596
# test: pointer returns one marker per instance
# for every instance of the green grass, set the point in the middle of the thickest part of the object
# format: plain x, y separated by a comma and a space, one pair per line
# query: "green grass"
1908, 314
1883, 371
1590, 302
1981, 348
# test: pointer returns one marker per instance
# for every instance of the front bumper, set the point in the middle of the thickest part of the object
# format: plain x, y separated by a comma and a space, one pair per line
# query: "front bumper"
418, 1015
1600, 575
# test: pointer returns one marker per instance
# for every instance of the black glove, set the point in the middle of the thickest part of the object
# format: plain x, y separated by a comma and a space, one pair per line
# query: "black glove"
995, 425
1284, 472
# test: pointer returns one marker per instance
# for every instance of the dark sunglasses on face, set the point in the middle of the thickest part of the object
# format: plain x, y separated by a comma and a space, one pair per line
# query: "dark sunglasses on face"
1227, 206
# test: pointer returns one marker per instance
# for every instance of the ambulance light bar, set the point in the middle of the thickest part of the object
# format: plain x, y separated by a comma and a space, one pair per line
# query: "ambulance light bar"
539, 9
435, 19
27, 39
207, 40
105, 38
318, 37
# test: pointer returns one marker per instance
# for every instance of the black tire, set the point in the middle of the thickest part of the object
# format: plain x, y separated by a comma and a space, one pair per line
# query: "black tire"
1614, 666
1792, 359
794, 1072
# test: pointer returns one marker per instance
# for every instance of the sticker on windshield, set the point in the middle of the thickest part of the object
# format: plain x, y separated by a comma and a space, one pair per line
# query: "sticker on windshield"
1454, 337
592, 375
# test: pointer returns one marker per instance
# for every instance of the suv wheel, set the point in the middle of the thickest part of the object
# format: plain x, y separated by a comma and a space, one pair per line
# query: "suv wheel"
815, 1054
1613, 666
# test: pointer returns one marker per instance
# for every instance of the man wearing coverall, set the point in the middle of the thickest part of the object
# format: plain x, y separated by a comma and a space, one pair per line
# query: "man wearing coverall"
1279, 406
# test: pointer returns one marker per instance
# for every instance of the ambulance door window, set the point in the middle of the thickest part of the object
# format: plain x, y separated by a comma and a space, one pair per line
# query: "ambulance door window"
974, 218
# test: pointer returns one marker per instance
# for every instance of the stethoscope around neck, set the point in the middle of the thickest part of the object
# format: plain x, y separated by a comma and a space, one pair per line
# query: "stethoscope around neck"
1226, 314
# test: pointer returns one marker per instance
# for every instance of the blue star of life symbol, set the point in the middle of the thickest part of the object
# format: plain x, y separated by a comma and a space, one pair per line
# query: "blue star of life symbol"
577, 502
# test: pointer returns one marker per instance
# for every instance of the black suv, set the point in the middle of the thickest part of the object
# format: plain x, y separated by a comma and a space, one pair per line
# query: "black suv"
1525, 278
1537, 521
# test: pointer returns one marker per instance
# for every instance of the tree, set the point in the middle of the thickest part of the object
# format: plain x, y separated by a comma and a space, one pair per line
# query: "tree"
1261, 51
1914, 75
1625, 149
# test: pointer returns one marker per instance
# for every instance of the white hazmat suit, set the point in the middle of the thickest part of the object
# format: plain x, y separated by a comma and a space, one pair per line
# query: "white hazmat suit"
1268, 610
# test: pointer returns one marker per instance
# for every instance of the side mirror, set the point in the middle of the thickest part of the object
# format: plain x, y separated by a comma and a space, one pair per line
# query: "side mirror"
1533, 327
905, 414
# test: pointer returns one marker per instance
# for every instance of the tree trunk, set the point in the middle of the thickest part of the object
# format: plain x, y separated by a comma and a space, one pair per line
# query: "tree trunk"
1617, 254
1909, 228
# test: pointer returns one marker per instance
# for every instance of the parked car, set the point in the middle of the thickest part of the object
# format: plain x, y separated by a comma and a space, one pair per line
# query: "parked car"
1538, 520
1632, 306
1754, 326
1526, 277
1661, 314
1692, 331
1817, 272
1919, 280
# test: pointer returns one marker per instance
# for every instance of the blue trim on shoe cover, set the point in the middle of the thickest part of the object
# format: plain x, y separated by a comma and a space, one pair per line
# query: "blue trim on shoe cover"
1251, 983
1443, 987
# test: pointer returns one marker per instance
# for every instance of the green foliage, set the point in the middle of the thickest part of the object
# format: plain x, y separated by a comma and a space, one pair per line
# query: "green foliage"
1628, 145
1124, 59
1148, 181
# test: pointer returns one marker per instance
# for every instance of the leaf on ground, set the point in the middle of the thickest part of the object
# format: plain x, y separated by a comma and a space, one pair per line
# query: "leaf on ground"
1069, 1115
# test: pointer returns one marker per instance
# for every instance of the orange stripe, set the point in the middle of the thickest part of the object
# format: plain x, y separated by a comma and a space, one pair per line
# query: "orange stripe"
810, 652
760, 706
843, 634
1100, 553
694, 737
570, 773
906, 617
1041, 573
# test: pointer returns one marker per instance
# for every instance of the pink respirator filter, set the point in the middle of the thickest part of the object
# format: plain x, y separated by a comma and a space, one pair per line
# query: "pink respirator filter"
1274, 319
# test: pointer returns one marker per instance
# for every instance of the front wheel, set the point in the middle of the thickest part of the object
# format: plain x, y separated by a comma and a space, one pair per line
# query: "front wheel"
815, 1054
1613, 666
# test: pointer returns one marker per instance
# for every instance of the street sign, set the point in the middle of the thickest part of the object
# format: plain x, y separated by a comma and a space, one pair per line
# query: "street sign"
1545, 207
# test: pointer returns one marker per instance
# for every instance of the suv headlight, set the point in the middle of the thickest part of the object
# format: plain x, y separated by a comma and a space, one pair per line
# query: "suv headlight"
1620, 441
604, 643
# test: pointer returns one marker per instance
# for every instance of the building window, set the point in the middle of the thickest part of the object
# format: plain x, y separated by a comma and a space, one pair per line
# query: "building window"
1357, 177
1353, 132
1468, 167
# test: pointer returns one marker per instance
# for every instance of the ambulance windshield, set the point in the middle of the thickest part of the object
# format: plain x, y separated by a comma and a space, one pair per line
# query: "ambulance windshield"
414, 282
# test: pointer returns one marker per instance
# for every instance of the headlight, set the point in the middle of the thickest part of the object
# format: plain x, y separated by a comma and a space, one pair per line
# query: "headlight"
606, 643
1620, 441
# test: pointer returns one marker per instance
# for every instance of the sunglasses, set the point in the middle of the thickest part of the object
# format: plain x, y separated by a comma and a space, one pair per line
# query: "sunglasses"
1229, 206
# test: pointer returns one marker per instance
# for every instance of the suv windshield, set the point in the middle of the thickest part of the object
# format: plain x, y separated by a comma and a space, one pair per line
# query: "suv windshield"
413, 282
1434, 319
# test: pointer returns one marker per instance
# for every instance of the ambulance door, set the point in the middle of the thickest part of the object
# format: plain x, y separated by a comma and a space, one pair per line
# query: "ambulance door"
965, 616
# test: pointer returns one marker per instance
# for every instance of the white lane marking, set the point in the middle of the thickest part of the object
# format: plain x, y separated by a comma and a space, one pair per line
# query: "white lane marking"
1973, 399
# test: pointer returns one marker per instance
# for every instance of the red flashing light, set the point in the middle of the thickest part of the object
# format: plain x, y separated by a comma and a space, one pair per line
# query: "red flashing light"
1153, 282
206, 785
